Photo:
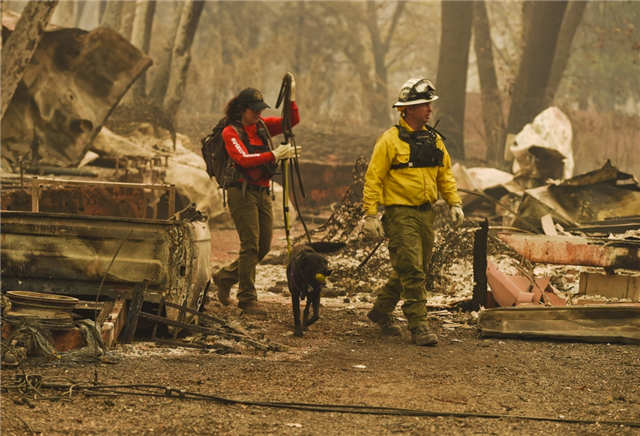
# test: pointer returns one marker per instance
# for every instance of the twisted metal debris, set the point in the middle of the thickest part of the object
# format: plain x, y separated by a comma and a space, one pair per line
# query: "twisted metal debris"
345, 225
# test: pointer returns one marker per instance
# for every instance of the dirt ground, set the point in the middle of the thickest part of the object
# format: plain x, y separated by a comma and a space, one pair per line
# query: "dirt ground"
343, 360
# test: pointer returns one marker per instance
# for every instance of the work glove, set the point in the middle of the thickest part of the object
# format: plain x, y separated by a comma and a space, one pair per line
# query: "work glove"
372, 228
292, 93
456, 214
283, 151
297, 152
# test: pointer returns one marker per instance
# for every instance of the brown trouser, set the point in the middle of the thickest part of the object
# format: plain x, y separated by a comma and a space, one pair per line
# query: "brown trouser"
410, 233
253, 217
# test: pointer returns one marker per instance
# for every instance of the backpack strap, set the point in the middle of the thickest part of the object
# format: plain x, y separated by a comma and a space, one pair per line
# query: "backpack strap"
264, 134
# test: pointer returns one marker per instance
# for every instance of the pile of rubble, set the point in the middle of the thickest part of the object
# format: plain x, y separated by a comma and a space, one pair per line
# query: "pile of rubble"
548, 239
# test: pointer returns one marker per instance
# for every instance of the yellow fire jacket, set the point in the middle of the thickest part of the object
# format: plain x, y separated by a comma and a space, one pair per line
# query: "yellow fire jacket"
405, 186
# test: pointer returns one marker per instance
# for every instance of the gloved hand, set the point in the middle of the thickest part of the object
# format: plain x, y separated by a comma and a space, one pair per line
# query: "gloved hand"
297, 152
283, 151
456, 214
372, 228
292, 94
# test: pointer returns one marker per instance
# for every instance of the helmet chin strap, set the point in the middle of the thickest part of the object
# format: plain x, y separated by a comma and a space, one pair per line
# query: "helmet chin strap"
414, 124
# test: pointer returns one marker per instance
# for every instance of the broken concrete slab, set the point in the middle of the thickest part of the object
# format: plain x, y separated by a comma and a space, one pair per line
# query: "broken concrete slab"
491, 181
108, 143
187, 172
600, 323
72, 84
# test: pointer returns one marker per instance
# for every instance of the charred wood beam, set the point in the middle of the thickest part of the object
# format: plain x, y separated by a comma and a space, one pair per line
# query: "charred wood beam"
604, 323
210, 331
480, 266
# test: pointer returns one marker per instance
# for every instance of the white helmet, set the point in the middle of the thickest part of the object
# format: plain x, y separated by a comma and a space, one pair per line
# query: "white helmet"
416, 91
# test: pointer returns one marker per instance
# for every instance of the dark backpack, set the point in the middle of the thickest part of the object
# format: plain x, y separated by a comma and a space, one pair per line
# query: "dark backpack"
215, 155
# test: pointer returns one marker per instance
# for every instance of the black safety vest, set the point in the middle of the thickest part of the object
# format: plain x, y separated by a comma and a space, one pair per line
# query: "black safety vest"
422, 143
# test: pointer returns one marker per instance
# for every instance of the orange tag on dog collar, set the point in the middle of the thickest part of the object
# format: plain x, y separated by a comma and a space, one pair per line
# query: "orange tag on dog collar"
320, 277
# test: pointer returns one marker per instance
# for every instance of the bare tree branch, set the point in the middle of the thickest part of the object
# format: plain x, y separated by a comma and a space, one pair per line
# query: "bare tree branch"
397, 13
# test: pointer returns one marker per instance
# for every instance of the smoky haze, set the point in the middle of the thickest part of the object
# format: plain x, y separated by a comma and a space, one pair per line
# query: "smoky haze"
495, 64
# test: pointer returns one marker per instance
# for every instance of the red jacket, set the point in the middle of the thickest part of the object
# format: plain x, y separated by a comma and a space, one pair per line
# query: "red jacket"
252, 162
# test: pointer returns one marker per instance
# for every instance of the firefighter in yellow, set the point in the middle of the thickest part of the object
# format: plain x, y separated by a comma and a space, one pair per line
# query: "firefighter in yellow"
409, 167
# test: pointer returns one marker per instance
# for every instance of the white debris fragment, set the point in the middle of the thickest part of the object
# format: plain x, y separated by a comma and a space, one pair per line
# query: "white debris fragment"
550, 129
293, 424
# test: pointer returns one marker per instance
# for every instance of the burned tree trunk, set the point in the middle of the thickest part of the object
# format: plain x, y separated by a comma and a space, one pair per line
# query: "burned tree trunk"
181, 55
163, 65
141, 38
543, 27
572, 18
77, 18
452, 72
112, 15
380, 45
490, 94
21, 44
127, 15
65, 14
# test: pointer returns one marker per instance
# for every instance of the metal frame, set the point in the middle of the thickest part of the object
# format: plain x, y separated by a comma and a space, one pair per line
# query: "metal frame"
37, 182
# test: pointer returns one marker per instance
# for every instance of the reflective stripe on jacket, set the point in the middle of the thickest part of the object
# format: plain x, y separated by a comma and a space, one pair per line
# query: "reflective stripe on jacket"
251, 162
405, 186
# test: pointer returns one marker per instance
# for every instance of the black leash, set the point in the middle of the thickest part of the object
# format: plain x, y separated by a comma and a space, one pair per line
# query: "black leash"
284, 99
366, 259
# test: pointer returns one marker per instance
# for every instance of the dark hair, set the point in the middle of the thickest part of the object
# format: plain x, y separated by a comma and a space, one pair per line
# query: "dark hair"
247, 98
234, 109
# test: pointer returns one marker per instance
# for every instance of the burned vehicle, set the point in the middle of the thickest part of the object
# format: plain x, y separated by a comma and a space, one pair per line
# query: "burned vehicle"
115, 263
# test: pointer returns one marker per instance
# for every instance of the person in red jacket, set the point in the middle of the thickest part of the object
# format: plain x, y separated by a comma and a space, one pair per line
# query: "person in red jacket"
249, 200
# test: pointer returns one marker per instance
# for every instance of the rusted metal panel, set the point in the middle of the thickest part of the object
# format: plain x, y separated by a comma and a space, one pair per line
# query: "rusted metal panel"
48, 311
324, 182
508, 290
96, 198
513, 290
551, 298
574, 250
71, 254
66, 340
611, 225
611, 286
51, 311
112, 320
601, 323
600, 195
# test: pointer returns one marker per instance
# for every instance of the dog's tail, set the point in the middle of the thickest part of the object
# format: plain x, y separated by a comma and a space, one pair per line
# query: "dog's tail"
327, 247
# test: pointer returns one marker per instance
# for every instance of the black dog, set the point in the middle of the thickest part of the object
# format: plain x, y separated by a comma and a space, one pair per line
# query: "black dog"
306, 274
